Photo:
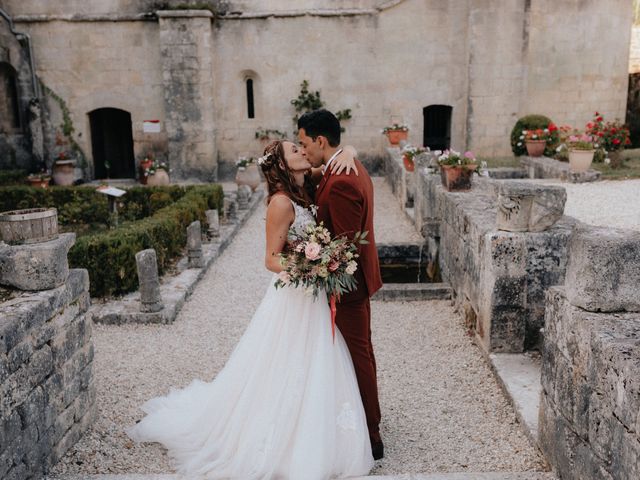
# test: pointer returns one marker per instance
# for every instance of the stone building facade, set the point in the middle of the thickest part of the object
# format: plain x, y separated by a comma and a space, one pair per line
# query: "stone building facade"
131, 77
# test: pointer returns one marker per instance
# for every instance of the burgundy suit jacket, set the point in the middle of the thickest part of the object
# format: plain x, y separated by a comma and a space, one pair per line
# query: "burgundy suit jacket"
345, 206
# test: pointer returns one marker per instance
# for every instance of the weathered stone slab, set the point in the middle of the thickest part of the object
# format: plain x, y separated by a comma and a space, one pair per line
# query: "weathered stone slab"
545, 167
603, 273
39, 266
525, 207
147, 265
213, 223
194, 245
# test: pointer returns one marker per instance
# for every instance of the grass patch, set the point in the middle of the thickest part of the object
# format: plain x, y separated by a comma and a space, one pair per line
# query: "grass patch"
630, 169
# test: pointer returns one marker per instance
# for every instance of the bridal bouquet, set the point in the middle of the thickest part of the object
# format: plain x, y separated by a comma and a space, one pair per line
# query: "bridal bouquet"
316, 261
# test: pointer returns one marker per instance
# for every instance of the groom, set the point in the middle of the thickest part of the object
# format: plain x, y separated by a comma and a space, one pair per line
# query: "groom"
345, 205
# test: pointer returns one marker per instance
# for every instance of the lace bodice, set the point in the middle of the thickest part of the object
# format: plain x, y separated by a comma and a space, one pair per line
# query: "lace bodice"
303, 217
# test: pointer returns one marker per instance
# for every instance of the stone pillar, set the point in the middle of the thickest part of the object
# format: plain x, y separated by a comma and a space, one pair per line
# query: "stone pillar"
194, 245
147, 264
213, 219
230, 209
244, 195
187, 72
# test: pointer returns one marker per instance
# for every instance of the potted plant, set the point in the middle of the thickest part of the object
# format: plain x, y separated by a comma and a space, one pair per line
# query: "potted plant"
537, 140
157, 174
581, 148
145, 164
612, 136
248, 173
456, 169
39, 180
409, 152
396, 132
63, 169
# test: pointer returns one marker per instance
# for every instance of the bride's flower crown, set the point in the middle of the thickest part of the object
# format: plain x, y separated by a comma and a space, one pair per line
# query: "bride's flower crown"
265, 159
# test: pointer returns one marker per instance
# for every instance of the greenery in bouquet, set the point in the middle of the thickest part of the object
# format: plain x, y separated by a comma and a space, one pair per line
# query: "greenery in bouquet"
395, 127
315, 261
244, 162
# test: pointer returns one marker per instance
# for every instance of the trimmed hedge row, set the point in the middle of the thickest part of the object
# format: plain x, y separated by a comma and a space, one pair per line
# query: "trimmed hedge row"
110, 256
12, 177
151, 217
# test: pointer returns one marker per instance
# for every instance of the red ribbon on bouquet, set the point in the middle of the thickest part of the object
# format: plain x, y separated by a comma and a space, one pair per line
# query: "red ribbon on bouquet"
332, 306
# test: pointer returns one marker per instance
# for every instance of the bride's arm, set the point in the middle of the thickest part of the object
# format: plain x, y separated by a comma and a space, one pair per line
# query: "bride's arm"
345, 161
280, 216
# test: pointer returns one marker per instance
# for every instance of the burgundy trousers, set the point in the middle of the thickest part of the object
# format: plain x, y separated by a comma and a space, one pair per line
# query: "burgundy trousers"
353, 318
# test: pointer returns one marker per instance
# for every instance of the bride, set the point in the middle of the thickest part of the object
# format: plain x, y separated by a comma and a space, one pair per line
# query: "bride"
286, 405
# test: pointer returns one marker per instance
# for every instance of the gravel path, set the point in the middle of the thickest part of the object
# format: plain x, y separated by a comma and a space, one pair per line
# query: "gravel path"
607, 203
442, 409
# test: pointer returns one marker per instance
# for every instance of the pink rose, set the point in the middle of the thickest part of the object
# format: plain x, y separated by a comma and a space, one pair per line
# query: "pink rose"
312, 251
284, 277
333, 266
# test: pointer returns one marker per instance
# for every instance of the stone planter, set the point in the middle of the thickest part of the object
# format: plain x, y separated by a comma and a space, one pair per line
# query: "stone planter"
34, 225
64, 172
161, 177
395, 136
580, 160
457, 178
535, 148
408, 163
248, 175
526, 207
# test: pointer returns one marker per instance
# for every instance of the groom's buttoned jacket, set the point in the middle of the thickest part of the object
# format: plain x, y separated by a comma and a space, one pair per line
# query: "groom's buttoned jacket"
345, 206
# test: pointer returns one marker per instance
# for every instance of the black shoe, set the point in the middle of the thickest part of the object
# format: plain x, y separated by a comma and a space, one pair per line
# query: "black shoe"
377, 450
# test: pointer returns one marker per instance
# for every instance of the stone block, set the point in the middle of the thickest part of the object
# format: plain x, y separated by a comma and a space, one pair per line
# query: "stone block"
603, 272
213, 221
526, 207
39, 266
147, 266
507, 329
194, 245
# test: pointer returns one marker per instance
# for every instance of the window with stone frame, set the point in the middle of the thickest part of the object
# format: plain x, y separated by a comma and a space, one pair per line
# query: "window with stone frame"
9, 109
251, 111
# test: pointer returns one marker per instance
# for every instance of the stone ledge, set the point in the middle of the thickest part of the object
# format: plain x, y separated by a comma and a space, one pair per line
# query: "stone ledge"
174, 290
545, 167
185, 14
28, 310
392, 292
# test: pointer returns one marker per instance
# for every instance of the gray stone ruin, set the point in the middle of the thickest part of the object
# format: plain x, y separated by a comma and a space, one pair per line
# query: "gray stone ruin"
213, 222
523, 207
244, 195
194, 245
230, 209
147, 265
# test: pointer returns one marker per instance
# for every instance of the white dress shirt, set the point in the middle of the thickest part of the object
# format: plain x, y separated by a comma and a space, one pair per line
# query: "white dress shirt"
326, 167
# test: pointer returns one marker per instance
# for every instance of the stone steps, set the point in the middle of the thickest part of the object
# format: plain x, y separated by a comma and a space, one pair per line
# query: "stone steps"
409, 476
413, 292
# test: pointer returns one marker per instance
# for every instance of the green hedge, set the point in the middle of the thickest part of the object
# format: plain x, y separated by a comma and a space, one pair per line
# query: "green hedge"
529, 122
110, 256
12, 177
152, 217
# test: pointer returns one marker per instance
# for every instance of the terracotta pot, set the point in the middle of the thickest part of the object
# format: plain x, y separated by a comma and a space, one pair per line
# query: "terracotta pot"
143, 166
161, 177
63, 172
248, 175
535, 148
409, 165
580, 160
38, 183
457, 178
395, 136
615, 159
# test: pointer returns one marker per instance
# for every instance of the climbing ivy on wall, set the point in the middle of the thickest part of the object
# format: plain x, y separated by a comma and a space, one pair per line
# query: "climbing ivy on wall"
66, 126
308, 101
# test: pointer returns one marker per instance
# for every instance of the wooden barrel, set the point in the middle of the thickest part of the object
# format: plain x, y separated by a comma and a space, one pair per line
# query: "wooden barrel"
34, 225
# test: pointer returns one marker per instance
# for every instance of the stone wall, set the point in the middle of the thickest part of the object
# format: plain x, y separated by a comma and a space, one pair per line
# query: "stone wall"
491, 61
499, 278
47, 387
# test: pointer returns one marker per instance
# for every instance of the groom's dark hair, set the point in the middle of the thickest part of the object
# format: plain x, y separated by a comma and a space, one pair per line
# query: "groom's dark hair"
321, 122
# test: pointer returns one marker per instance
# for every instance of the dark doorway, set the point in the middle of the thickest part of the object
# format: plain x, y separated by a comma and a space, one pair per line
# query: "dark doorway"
112, 143
437, 127
9, 110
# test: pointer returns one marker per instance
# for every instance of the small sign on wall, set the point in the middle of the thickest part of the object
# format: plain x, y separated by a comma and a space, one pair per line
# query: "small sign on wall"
151, 126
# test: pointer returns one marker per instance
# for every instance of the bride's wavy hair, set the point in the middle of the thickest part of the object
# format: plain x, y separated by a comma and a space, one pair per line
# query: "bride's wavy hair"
280, 178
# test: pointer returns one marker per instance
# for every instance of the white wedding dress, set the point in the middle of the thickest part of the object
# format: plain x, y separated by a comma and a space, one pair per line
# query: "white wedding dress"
285, 406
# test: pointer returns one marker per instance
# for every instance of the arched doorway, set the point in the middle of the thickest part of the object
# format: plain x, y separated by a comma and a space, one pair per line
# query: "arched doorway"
9, 109
437, 127
112, 143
